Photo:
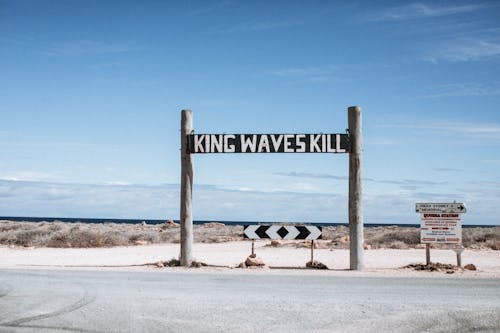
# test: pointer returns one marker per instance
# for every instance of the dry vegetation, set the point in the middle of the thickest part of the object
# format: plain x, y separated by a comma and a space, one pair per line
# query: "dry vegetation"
59, 234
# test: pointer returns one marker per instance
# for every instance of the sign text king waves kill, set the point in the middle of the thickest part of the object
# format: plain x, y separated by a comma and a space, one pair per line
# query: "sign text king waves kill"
268, 143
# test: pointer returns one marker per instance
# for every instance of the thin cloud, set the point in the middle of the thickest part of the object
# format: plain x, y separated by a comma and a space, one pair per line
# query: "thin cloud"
22, 198
490, 183
437, 197
255, 27
410, 187
471, 130
465, 49
447, 169
423, 182
212, 6
403, 183
26, 176
464, 90
484, 131
86, 47
416, 11
406, 182
310, 175
117, 183
36, 198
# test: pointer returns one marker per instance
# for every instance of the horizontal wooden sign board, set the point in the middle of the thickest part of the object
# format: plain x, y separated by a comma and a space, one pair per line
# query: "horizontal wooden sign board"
268, 143
433, 207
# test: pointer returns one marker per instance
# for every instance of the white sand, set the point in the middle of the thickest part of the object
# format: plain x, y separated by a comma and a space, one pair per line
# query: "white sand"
383, 262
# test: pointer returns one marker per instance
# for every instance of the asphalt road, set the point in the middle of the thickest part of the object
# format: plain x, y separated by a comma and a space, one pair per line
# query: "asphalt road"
88, 301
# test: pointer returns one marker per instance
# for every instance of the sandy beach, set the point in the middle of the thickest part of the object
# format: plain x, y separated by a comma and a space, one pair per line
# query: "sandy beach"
226, 257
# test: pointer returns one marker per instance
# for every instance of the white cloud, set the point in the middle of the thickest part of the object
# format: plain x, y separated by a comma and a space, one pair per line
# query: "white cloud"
212, 6
117, 183
45, 199
464, 89
465, 49
26, 176
310, 175
304, 186
471, 130
420, 10
29, 198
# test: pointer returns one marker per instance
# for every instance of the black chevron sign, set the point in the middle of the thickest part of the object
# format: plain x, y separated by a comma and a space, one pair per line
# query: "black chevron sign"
282, 232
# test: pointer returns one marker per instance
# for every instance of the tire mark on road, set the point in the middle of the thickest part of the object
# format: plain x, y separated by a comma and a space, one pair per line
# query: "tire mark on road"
56, 328
86, 299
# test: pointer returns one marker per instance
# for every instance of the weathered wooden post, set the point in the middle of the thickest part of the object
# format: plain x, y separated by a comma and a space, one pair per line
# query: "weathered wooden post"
355, 189
459, 256
428, 254
186, 213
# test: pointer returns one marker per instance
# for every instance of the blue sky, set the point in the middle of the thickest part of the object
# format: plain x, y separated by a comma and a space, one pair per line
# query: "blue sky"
91, 93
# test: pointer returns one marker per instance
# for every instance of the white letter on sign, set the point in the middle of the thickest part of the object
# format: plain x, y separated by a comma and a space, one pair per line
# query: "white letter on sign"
337, 141
227, 147
216, 143
248, 143
263, 144
288, 149
329, 148
314, 143
198, 144
301, 145
276, 142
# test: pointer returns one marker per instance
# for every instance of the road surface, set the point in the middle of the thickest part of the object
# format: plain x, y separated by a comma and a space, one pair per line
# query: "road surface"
197, 301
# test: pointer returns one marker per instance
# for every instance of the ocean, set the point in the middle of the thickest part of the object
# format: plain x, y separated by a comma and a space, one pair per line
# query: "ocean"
156, 221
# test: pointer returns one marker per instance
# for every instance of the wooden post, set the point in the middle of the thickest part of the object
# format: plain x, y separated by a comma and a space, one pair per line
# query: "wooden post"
355, 189
459, 251
427, 254
312, 251
186, 217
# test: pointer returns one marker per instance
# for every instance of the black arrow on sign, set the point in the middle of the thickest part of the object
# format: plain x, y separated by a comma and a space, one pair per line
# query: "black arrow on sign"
261, 231
304, 232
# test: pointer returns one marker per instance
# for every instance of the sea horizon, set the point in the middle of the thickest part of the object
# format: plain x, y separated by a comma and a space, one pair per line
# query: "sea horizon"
199, 222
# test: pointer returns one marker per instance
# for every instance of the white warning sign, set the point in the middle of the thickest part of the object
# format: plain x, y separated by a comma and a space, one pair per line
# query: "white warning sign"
440, 230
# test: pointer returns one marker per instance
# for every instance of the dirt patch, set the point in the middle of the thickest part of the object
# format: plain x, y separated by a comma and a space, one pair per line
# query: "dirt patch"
434, 267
